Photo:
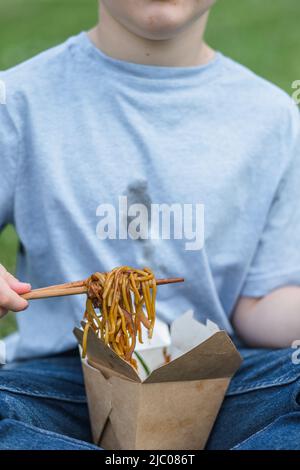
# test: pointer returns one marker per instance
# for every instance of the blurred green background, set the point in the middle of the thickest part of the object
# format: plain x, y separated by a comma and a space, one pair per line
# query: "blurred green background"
262, 34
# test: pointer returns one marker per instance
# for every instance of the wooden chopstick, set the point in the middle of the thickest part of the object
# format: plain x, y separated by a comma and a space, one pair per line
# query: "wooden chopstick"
66, 285
76, 288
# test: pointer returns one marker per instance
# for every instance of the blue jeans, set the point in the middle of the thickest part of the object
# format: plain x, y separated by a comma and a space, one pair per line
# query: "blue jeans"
43, 405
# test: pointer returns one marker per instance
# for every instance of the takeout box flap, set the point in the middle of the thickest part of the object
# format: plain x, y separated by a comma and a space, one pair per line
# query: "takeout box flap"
96, 385
217, 357
102, 355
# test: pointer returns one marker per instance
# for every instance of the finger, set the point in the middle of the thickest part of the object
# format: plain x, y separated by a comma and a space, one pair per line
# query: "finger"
9, 299
18, 286
12, 301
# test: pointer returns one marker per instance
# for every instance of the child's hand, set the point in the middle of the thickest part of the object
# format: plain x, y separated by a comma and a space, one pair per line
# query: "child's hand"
10, 291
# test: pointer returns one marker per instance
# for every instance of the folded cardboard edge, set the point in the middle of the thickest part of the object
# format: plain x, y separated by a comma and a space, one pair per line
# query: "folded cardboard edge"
106, 407
99, 411
101, 354
216, 357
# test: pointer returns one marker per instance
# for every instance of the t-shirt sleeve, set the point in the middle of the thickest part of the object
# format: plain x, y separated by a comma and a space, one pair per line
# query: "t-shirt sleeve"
9, 148
277, 258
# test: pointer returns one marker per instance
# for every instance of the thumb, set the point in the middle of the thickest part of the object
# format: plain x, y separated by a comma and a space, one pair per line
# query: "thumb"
16, 285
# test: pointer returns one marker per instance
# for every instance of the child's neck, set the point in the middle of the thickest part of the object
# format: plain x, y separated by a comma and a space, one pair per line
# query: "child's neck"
185, 50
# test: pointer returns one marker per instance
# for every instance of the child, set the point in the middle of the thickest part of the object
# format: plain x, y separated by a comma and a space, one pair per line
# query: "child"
142, 108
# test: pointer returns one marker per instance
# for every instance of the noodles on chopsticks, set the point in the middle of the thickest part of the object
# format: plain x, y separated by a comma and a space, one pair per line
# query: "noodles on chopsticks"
125, 298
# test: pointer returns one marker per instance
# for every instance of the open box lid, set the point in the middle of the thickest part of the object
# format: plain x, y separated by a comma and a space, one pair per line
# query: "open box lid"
215, 358
200, 351
98, 353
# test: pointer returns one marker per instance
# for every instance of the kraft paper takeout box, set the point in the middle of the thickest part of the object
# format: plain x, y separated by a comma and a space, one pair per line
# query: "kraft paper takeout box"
175, 406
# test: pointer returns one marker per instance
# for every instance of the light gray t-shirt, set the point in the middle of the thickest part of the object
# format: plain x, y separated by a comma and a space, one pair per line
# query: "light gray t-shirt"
81, 132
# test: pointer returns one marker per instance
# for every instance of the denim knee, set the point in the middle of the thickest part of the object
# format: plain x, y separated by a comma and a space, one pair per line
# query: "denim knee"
296, 396
15, 407
250, 408
263, 369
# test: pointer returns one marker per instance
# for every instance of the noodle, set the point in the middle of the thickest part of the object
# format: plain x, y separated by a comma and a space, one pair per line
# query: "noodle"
126, 299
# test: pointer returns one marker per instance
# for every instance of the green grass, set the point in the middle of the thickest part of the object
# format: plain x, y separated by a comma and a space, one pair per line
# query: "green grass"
8, 249
262, 34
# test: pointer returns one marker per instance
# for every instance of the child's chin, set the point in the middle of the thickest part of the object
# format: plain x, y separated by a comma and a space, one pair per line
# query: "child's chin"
163, 24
